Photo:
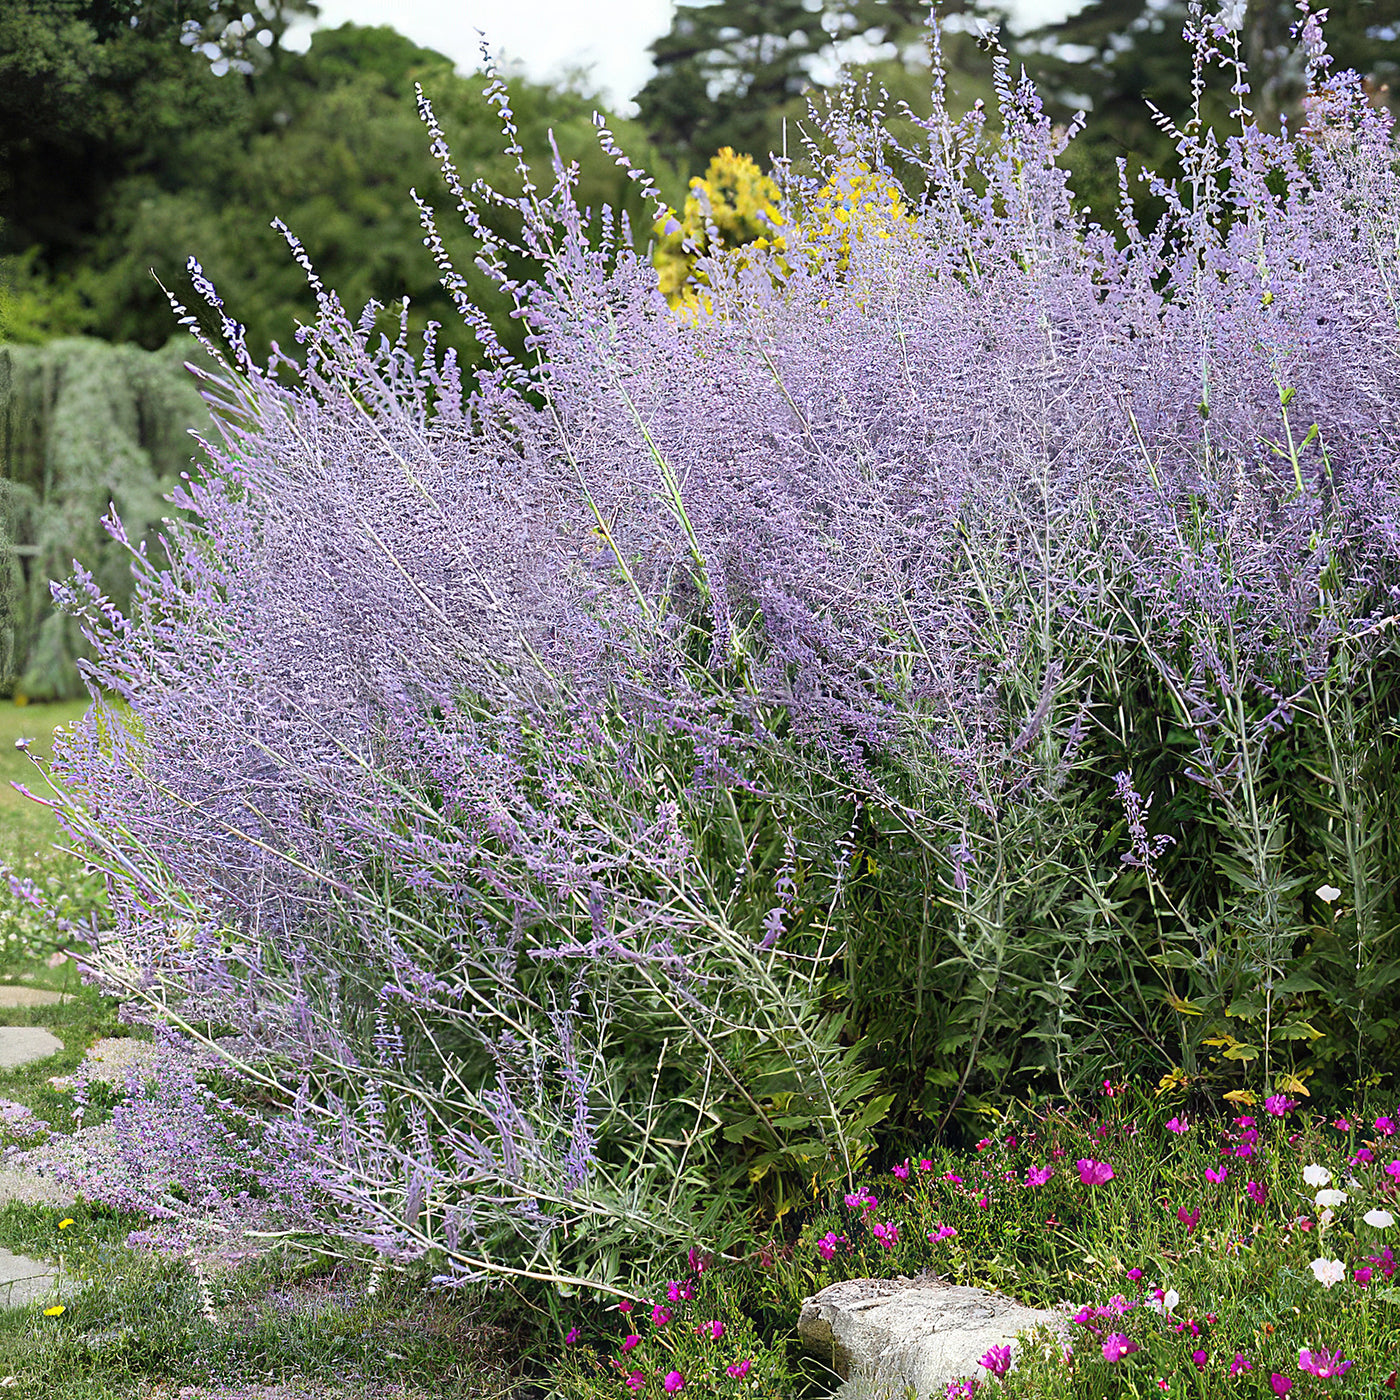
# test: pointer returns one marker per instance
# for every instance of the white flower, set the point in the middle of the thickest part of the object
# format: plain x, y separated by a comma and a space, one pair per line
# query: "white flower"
1328, 893
1166, 1303
1331, 1198
1232, 14
1328, 1271
1381, 1219
1325, 1219
1317, 1176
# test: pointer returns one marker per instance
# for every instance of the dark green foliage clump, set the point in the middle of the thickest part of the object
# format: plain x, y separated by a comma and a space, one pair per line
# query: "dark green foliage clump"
84, 428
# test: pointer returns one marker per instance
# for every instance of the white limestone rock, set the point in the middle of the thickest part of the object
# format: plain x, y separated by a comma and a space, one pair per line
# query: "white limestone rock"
882, 1336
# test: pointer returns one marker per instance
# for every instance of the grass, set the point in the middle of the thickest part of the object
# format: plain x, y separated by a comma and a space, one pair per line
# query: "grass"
1237, 1252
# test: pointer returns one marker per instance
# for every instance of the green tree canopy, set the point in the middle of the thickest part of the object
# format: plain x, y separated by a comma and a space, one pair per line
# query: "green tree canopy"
730, 72
169, 160
1112, 57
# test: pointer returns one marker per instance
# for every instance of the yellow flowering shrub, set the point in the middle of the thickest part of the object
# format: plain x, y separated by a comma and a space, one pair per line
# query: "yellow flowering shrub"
741, 203
736, 198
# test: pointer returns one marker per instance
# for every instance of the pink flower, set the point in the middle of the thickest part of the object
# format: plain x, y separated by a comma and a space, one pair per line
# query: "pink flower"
1093, 1173
571, 1336
1393, 1169
1038, 1176
1117, 1346
660, 1316
826, 1246
698, 1262
1217, 1174
678, 1291
1175, 1125
925, 1165
1199, 1358
674, 1381
1189, 1218
1342, 1126
997, 1360
635, 1381
629, 1341
1320, 1364
1239, 1364
1281, 1384
739, 1369
1279, 1105
1257, 1193
984, 1144
626, 1305
1362, 1275
944, 1232
901, 1171
714, 1330
956, 1180
1135, 1274
887, 1234
1385, 1127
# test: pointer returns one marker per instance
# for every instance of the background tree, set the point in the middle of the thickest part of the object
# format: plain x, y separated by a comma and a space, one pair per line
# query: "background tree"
730, 73
1114, 56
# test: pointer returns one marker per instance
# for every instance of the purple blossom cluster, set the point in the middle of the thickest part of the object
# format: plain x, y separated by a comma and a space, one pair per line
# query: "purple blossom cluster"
407, 767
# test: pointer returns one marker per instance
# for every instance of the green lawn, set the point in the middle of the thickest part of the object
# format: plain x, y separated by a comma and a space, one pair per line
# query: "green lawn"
26, 828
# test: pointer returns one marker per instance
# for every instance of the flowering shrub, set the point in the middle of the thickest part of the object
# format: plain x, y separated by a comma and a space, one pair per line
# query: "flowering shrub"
566, 780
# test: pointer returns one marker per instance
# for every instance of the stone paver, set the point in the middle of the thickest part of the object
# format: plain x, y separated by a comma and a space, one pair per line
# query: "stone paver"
21, 1045
31, 996
24, 1281
32, 1189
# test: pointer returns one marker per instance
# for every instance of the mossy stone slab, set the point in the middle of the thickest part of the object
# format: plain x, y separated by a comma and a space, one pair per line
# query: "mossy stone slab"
23, 1045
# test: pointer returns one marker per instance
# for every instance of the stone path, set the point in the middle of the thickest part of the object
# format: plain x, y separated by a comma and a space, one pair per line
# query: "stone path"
23, 1280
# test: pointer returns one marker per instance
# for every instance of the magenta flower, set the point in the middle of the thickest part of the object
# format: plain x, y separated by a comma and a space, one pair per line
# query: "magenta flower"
1385, 1127
1116, 1346
997, 1360
826, 1246
713, 1329
1342, 1126
887, 1234
1135, 1274
571, 1336
635, 1381
901, 1171
1217, 1174
1281, 1384
925, 1165
1279, 1105
944, 1232
1239, 1364
1198, 1357
739, 1369
1257, 1193
1038, 1176
660, 1316
1093, 1173
984, 1144
1175, 1125
676, 1292
1392, 1169
629, 1341
626, 1305
1362, 1275
698, 1262
1189, 1218
674, 1381
949, 1176
1320, 1364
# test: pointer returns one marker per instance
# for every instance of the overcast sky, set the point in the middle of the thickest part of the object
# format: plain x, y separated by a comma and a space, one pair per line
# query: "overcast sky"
551, 37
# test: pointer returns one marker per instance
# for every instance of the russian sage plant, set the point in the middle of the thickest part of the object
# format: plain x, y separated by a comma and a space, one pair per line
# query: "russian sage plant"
620, 781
